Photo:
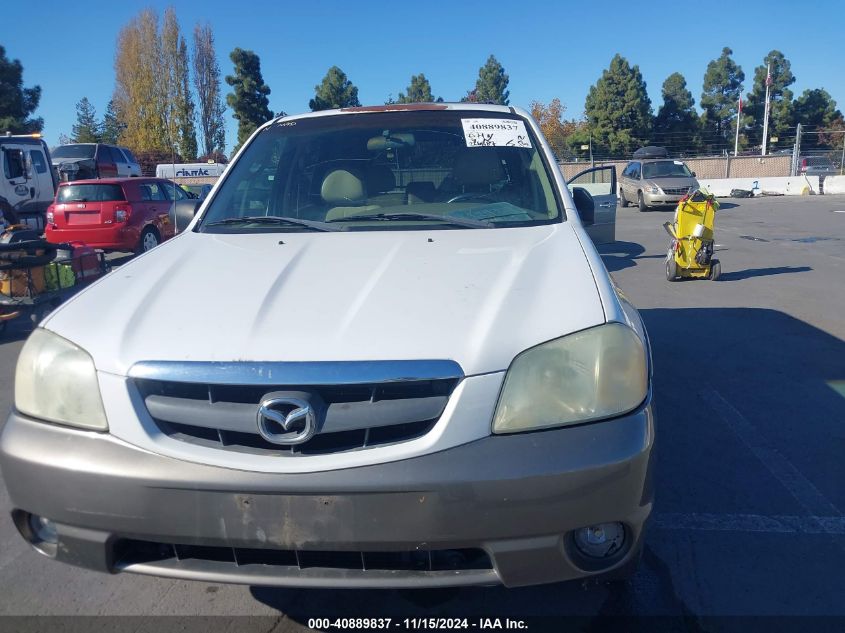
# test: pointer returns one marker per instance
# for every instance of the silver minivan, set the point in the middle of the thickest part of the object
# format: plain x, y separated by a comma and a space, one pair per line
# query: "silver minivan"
655, 182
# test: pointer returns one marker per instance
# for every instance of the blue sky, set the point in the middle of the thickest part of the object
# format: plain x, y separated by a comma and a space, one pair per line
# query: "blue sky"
549, 49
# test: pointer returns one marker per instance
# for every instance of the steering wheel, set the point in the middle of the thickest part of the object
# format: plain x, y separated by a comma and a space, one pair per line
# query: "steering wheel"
470, 196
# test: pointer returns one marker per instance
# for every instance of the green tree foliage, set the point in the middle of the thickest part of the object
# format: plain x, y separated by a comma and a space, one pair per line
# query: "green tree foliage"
816, 110
249, 102
492, 83
87, 128
209, 100
676, 124
418, 92
16, 102
179, 108
618, 109
111, 128
780, 99
719, 100
335, 91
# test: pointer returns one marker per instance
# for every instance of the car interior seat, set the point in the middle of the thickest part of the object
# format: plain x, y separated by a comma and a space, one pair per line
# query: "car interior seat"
476, 169
346, 191
381, 187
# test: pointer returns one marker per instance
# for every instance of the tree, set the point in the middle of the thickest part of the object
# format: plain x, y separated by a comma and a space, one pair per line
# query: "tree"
618, 109
207, 84
815, 108
556, 130
720, 99
470, 97
111, 128
492, 83
248, 100
16, 102
676, 124
816, 111
418, 92
179, 103
140, 98
780, 99
87, 128
335, 91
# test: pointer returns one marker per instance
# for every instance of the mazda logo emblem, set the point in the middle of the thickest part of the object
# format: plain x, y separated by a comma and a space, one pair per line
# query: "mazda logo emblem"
286, 421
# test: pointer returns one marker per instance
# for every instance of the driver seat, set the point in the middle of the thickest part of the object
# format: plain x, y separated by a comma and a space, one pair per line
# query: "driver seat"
476, 169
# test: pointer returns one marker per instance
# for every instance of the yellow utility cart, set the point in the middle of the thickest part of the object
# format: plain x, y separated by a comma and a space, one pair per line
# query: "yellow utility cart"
691, 250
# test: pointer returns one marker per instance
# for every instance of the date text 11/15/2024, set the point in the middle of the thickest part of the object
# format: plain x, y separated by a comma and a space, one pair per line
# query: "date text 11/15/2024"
413, 624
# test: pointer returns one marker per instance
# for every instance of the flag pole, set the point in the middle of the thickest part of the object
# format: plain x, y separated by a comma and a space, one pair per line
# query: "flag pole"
738, 119
766, 114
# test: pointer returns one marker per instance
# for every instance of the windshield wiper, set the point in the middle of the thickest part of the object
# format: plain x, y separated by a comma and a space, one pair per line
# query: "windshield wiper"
445, 219
273, 219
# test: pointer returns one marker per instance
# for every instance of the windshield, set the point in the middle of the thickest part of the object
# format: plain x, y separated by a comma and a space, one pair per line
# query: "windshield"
90, 193
666, 169
388, 171
74, 151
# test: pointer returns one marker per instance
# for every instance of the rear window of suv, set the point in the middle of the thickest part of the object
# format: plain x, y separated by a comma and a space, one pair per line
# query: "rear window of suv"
90, 193
74, 151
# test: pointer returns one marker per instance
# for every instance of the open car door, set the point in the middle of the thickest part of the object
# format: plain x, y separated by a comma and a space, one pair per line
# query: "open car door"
600, 183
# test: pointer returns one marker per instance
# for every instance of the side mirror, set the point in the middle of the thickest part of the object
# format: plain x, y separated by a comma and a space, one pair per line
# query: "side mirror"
585, 205
183, 212
693, 174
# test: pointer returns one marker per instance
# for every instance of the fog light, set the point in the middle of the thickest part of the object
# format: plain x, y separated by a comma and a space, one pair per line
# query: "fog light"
600, 541
43, 529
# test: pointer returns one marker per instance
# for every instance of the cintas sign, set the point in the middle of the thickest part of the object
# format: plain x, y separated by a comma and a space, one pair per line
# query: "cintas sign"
189, 170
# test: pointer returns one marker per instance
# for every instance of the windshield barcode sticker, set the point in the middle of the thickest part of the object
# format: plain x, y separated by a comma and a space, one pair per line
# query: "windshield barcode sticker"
495, 133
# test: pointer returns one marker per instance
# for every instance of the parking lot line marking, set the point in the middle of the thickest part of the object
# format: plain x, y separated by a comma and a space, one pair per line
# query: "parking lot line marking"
801, 488
705, 522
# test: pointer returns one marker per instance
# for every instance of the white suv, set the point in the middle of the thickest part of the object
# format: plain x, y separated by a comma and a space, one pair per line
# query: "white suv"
384, 353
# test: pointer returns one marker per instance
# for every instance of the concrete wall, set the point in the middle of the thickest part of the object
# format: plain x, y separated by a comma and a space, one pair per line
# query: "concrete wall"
715, 167
834, 184
785, 185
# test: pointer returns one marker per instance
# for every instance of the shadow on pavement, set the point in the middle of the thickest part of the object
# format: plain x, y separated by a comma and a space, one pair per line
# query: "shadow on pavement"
777, 372
737, 275
621, 255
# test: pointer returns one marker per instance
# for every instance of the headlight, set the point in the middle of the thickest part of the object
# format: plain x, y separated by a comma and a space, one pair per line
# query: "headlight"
56, 381
590, 375
653, 189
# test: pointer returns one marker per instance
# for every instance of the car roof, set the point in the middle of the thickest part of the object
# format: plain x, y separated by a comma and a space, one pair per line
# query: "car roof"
656, 160
111, 181
402, 107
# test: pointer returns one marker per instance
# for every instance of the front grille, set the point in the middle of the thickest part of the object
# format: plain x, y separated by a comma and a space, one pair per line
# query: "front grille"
134, 552
358, 416
676, 191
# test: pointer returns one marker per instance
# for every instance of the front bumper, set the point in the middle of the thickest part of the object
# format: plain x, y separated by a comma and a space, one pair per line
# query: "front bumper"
514, 498
661, 199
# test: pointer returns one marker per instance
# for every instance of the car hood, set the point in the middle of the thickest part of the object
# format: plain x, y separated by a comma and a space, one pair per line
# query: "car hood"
674, 183
478, 297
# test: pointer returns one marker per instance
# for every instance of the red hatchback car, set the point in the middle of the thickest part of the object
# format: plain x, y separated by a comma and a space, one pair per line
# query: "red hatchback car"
118, 214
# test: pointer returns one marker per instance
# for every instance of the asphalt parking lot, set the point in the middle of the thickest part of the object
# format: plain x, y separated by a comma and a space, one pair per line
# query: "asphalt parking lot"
750, 402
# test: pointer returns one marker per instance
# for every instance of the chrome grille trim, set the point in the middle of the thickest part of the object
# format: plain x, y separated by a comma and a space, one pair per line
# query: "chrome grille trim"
297, 373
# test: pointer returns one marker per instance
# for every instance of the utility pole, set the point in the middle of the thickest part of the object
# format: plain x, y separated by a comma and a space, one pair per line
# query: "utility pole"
796, 151
592, 162
766, 115
738, 119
